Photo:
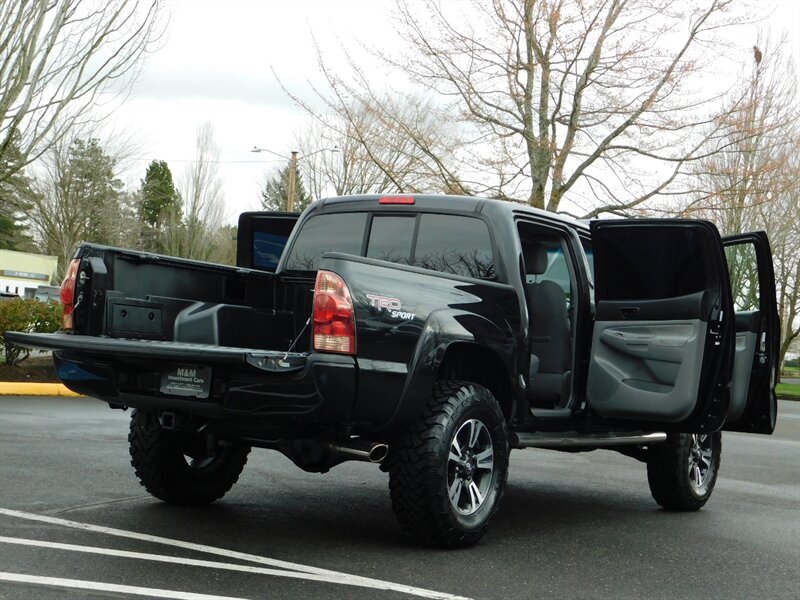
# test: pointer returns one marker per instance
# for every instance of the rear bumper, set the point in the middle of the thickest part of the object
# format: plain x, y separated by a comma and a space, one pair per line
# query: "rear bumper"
322, 390
246, 385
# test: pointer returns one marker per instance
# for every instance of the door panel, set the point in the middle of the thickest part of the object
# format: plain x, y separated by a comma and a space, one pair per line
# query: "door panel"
753, 405
646, 370
661, 347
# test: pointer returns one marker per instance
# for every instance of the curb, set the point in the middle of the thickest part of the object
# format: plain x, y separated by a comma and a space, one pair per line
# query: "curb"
22, 388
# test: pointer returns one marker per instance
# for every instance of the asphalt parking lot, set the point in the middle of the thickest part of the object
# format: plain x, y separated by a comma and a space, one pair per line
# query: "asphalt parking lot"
74, 523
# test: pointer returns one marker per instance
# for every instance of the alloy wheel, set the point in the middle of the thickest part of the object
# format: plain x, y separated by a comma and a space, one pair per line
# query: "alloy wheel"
470, 466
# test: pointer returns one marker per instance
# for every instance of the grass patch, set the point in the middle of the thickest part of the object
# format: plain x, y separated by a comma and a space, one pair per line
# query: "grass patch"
788, 391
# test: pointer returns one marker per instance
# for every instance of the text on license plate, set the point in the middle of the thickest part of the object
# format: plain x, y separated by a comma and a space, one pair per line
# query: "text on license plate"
186, 380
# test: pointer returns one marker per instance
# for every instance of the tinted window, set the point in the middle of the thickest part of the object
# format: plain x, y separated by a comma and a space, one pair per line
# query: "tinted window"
342, 232
650, 263
390, 239
457, 245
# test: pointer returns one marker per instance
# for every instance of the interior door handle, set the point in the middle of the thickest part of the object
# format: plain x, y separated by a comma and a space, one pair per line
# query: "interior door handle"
628, 312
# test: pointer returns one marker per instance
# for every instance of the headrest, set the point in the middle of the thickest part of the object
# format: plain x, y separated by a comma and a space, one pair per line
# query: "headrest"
535, 257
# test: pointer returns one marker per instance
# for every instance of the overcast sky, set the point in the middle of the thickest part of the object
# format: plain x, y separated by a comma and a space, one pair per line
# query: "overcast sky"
216, 64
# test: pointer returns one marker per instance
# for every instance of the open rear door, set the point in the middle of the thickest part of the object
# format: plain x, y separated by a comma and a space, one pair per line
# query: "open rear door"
753, 405
662, 344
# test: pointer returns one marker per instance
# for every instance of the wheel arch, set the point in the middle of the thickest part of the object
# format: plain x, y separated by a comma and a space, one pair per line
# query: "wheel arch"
463, 346
467, 361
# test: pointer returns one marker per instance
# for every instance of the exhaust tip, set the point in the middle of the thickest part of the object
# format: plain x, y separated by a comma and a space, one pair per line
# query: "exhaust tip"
378, 453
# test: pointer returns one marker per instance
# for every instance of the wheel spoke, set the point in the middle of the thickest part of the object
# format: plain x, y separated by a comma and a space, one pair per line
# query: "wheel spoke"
475, 497
455, 491
485, 459
452, 457
455, 446
697, 476
474, 433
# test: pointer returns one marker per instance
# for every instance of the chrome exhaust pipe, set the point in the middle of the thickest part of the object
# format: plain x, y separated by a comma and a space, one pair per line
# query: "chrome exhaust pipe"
356, 449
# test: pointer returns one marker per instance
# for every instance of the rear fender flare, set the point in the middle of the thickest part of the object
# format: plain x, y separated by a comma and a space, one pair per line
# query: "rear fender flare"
443, 330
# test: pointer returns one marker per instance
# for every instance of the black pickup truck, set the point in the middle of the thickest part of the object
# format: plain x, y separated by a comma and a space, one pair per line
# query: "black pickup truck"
432, 335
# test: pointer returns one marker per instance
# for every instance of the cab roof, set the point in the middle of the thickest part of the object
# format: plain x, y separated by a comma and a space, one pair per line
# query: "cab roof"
429, 202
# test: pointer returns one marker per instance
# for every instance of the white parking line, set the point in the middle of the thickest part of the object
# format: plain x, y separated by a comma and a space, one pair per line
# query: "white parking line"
334, 576
209, 564
99, 586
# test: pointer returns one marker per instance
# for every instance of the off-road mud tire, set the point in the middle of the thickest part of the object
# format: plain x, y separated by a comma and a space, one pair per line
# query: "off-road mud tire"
159, 460
420, 466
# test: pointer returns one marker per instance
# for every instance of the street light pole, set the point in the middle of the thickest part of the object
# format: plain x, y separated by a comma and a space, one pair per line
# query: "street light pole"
292, 191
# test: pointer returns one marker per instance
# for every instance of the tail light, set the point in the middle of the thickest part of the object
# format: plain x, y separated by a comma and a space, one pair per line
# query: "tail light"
334, 315
68, 292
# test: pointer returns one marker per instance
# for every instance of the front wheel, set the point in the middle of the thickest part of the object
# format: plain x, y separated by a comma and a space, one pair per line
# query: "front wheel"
179, 467
447, 474
683, 470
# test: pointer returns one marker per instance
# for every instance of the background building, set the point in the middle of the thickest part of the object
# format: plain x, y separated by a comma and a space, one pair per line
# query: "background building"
22, 273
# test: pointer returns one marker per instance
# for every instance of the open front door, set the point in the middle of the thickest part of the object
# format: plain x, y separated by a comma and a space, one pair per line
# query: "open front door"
753, 405
663, 336
261, 238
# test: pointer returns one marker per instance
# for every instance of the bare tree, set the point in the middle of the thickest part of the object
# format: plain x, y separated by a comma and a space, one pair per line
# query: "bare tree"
56, 58
223, 245
782, 221
748, 163
188, 232
602, 100
386, 143
748, 181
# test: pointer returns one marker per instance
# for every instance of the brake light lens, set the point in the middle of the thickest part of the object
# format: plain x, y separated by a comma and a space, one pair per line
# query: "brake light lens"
68, 292
396, 200
334, 315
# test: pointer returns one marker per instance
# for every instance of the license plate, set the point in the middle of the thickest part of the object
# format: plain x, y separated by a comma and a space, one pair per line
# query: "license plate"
186, 380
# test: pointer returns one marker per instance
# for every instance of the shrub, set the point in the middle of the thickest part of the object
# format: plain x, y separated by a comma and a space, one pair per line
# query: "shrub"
26, 314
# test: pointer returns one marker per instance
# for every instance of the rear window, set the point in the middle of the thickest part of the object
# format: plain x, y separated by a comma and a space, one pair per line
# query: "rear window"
340, 232
446, 243
456, 245
390, 238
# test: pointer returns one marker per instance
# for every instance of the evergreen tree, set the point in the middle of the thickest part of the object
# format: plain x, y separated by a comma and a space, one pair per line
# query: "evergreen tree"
90, 181
160, 206
159, 194
275, 195
15, 195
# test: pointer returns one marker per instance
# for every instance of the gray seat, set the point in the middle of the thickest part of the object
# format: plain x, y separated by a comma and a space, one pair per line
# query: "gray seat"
550, 335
